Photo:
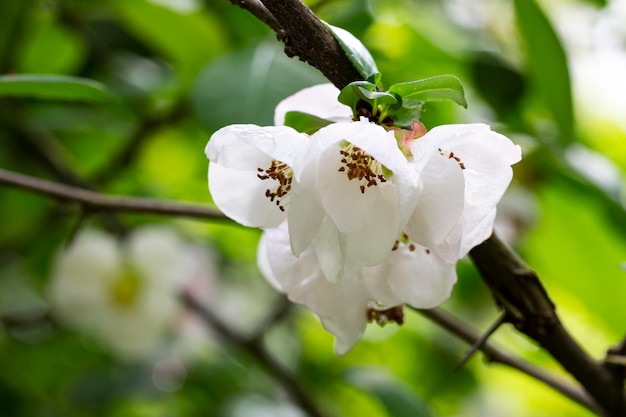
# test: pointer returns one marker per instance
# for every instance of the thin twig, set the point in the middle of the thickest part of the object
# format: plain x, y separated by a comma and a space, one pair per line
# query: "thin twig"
481, 340
105, 202
497, 355
256, 349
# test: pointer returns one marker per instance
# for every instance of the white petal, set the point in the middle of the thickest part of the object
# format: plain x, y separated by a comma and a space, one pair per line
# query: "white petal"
340, 307
420, 278
440, 202
330, 251
465, 236
240, 195
319, 100
81, 276
276, 262
305, 212
246, 146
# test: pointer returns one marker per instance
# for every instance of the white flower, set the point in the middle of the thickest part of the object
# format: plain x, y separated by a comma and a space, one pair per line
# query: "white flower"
250, 174
464, 171
124, 293
354, 191
319, 100
409, 274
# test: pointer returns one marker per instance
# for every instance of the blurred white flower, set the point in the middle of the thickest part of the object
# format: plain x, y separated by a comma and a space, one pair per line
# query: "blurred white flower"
123, 292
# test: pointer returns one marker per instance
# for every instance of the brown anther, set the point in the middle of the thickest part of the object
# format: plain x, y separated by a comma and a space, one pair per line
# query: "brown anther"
427, 251
360, 166
281, 173
382, 317
457, 159
411, 247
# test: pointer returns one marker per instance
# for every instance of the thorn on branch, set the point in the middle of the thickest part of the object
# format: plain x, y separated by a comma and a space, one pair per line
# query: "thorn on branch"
478, 345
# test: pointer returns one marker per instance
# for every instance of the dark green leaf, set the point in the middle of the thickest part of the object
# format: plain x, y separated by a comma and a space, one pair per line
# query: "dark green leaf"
304, 122
398, 399
245, 86
548, 64
381, 97
353, 92
442, 87
53, 87
411, 110
356, 52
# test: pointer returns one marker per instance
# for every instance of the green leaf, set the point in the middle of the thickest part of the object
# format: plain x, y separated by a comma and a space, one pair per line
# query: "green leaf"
53, 87
188, 39
245, 86
51, 49
442, 87
548, 64
304, 122
398, 399
353, 92
356, 52
410, 110
381, 97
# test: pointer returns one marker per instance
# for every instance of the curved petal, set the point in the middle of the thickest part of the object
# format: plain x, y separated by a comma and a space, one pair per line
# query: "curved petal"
419, 277
305, 212
330, 251
240, 194
319, 100
341, 307
245, 146
440, 202
465, 236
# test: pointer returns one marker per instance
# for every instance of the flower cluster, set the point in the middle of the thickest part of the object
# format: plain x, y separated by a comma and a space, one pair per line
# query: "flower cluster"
360, 218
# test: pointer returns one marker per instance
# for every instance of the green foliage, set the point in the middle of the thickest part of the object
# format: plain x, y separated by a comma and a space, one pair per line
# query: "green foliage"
305, 123
547, 64
121, 96
356, 52
53, 87
403, 102
399, 400
244, 86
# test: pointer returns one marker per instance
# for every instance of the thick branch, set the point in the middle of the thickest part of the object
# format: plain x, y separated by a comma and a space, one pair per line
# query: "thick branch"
102, 202
515, 287
308, 38
496, 355
256, 8
519, 292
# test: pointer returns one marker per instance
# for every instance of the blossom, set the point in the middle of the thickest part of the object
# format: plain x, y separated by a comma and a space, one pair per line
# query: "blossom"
360, 219
410, 274
250, 174
353, 190
124, 293
464, 171
319, 100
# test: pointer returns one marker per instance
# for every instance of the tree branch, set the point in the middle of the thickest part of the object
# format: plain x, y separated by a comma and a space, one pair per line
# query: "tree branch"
496, 355
257, 9
514, 286
305, 36
517, 290
102, 202
255, 348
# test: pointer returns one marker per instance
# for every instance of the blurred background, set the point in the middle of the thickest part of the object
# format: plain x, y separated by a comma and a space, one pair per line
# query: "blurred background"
96, 327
